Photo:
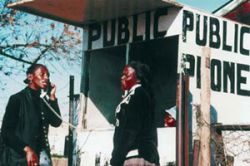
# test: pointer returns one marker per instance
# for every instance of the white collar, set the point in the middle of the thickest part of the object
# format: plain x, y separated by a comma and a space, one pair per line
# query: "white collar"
131, 90
127, 97
134, 87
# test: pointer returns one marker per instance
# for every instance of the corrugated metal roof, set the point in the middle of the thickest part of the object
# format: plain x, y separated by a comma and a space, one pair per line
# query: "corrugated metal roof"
82, 12
236, 10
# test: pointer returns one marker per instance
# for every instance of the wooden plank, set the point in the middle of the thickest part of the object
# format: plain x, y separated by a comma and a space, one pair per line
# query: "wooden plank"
196, 153
205, 157
232, 127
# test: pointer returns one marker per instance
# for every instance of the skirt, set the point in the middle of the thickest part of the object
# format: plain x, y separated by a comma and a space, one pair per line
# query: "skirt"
137, 162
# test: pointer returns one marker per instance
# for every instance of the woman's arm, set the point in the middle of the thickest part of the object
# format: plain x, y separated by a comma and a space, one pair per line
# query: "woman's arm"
130, 127
9, 124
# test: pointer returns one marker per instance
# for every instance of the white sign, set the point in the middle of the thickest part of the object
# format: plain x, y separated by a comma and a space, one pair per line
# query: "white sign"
229, 63
137, 28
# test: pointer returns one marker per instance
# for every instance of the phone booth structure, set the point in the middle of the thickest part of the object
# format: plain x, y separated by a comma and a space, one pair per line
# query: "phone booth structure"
172, 39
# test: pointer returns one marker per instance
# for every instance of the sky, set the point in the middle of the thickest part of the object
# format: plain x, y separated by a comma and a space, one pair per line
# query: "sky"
206, 5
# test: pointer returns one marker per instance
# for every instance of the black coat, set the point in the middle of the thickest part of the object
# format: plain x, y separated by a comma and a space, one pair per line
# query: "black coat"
26, 122
135, 128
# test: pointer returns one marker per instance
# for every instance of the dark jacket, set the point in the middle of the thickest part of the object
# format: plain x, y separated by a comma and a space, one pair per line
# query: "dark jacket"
26, 122
135, 128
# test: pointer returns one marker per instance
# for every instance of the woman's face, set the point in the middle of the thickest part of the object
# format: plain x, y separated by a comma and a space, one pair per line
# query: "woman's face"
128, 79
39, 78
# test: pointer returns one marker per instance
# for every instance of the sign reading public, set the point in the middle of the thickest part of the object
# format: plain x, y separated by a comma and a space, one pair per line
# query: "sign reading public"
137, 28
229, 43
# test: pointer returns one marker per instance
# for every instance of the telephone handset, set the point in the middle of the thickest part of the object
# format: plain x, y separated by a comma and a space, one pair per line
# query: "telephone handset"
48, 88
46, 91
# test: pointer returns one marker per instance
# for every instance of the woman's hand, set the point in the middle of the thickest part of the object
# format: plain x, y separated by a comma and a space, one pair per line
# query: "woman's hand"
31, 157
53, 92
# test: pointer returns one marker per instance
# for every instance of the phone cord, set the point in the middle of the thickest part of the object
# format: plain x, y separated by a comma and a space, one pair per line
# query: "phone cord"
52, 109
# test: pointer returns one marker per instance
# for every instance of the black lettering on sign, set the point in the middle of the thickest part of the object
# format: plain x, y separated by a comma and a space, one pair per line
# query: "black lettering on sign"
198, 72
242, 80
223, 75
111, 41
94, 34
187, 24
236, 38
157, 15
214, 33
225, 46
123, 32
229, 75
191, 61
242, 33
127, 29
201, 41
216, 75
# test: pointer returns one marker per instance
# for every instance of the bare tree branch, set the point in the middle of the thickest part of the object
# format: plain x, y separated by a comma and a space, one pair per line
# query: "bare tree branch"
42, 53
14, 58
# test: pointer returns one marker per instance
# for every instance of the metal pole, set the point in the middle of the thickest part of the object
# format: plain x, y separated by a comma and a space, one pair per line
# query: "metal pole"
179, 133
182, 134
71, 105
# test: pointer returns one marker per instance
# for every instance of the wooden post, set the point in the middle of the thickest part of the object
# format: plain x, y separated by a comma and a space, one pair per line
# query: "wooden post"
182, 134
196, 150
204, 158
230, 161
220, 158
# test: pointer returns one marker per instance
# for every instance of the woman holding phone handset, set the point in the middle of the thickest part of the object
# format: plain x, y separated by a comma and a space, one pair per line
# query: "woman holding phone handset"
27, 119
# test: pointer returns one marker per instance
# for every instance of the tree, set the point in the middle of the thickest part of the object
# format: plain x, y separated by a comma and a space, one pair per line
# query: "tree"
26, 39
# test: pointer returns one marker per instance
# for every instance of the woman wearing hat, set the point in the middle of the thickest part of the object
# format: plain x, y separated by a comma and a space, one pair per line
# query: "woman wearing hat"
135, 137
